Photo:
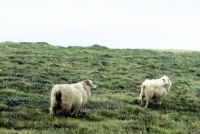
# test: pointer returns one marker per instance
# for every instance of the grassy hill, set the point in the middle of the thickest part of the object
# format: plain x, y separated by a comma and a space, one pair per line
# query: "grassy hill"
29, 70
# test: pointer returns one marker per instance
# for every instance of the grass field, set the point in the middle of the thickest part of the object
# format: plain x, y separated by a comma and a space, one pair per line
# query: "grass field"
29, 70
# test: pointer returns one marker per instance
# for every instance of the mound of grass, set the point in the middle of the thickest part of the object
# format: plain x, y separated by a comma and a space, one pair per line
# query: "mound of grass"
29, 70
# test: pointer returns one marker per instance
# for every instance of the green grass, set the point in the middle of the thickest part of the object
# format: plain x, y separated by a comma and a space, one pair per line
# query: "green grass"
29, 70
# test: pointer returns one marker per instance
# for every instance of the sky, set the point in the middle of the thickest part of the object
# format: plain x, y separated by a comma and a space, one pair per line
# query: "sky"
145, 24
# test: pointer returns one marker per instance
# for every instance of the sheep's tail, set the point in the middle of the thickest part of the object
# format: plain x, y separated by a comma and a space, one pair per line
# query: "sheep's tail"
142, 91
58, 99
55, 102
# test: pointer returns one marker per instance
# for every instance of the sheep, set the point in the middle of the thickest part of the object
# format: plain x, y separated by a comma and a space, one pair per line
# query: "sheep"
155, 89
69, 98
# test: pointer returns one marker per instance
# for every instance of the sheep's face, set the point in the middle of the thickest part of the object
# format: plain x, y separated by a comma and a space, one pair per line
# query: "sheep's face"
166, 80
89, 84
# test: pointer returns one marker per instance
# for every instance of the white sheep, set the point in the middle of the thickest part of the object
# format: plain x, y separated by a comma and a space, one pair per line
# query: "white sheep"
155, 89
70, 97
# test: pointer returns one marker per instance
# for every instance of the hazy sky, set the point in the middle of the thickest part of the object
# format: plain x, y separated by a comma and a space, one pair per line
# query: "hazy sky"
162, 24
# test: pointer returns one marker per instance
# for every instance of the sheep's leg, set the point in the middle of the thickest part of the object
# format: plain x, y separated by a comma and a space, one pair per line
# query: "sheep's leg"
141, 97
65, 109
54, 111
159, 101
142, 100
76, 110
147, 102
71, 113
72, 110
142, 94
53, 107
76, 113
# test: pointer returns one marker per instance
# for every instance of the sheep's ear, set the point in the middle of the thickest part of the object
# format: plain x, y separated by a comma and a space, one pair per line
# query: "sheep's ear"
163, 80
86, 82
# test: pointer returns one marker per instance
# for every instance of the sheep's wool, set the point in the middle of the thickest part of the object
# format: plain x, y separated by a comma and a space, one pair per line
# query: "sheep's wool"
70, 97
155, 89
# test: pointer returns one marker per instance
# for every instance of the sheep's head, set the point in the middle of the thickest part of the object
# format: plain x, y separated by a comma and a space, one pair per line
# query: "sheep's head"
89, 84
166, 80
